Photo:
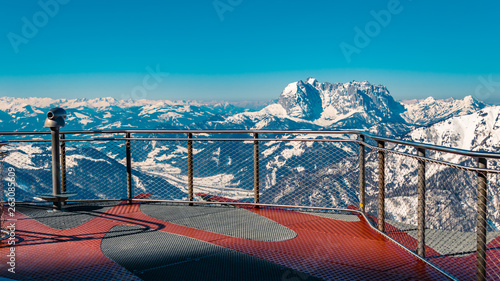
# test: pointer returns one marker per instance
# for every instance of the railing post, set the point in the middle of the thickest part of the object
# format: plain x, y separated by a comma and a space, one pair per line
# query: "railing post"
381, 187
63, 165
256, 168
421, 205
56, 167
481, 220
362, 174
190, 167
129, 168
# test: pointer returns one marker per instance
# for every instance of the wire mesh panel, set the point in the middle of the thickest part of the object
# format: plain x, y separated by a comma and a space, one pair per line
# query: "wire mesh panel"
451, 219
308, 173
451, 216
493, 230
224, 168
95, 170
401, 199
371, 183
160, 167
31, 163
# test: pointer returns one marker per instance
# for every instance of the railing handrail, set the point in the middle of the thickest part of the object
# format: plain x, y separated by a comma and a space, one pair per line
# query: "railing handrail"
463, 152
470, 153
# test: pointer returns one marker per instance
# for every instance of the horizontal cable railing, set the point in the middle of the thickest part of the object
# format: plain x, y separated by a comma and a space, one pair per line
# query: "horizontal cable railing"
439, 203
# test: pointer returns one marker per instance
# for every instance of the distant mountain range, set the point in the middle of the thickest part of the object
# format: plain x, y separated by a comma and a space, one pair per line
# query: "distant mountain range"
301, 105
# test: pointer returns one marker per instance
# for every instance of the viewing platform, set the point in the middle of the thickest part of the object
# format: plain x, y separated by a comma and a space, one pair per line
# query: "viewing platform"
245, 205
174, 241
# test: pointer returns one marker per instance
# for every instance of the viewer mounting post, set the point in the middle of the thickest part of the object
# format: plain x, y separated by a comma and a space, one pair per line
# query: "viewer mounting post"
381, 187
190, 167
55, 120
481, 220
362, 173
256, 168
421, 205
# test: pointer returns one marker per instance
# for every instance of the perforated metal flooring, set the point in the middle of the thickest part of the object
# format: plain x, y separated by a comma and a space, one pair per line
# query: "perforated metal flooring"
156, 255
227, 220
69, 217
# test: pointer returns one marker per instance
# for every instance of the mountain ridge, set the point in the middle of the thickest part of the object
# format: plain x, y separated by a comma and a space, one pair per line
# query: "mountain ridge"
308, 104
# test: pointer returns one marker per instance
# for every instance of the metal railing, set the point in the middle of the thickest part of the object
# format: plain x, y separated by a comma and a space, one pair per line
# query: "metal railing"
422, 196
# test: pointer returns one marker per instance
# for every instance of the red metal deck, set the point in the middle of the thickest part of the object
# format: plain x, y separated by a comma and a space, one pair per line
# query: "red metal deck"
325, 248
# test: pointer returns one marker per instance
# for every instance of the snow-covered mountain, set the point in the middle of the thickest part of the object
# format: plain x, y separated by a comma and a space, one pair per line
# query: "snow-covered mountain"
428, 111
301, 105
354, 105
315, 105
329, 104
28, 114
479, 131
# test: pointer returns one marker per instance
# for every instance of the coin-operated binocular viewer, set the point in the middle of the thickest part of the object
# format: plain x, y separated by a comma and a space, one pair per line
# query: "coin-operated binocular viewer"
55, 120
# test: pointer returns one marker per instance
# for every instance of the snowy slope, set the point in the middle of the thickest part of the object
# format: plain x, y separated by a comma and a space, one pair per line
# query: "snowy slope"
479, 131
427, 111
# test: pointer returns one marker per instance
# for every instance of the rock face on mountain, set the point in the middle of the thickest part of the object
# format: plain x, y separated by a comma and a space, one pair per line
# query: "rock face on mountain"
328, 103
302, 100
340, 105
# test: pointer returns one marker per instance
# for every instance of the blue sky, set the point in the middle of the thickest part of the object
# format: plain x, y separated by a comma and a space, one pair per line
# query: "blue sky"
246, 50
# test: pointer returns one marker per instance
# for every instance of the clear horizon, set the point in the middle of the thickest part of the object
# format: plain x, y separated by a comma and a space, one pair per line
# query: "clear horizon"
247, 50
